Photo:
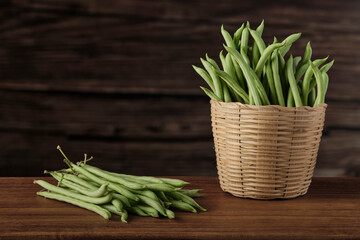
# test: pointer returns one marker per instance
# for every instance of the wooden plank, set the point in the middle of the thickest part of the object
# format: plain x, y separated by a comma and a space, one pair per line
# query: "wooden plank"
132, 46
330, 210
131, 117
27, 154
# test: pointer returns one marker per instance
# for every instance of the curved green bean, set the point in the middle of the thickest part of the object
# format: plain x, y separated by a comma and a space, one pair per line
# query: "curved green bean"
89, 206
237, 36
244, 45
255, 51
307, 55
320, 84
288, 42
182, 206
205, 76
211, 94
148, 210
68, 193
258, 40
161, 187
152, 203
215, 79
170, 214
265, 56
117, 204
270, 79
111, 208
192, 192
122, 198
111, 178
186, 199
227, 78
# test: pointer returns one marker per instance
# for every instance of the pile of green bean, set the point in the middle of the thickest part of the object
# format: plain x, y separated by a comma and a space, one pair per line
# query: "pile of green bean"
257, 74
105, 192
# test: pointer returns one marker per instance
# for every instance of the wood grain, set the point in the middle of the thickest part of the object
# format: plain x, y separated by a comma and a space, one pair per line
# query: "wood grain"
115, 79
329, 211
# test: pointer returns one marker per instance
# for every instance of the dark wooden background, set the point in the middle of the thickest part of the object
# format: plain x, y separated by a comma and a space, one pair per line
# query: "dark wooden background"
114, 79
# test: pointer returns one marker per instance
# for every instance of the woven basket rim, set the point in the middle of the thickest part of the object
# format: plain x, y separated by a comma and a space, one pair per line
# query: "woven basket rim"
278, 107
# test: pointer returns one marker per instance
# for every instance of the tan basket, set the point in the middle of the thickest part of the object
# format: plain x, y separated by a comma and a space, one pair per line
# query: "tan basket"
266, 152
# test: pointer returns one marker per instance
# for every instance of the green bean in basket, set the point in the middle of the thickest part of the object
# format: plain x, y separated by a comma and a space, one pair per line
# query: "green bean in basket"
105, 192
259, 75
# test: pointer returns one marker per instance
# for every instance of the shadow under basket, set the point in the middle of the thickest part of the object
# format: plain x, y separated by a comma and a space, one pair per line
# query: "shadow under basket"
266, 152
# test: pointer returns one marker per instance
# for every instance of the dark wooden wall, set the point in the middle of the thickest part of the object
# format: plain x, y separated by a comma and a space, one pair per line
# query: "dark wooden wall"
114, 79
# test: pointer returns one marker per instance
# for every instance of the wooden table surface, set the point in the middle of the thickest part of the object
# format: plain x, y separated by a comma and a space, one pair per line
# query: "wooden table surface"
331, 210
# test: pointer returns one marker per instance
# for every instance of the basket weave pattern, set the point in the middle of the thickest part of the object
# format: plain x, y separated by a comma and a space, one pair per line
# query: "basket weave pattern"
266, 152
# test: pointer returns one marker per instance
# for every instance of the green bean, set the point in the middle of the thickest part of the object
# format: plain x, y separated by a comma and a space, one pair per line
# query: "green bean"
111, 208
192, 192
116, 187
186, 199
97, 193
269, 76
55, 189
170, 214
265, 56
112, 178
227, 97
211, 94
227, 37
137, 211
258, 40
174, 182
307, 78
77, 180
215, 79
297, 60
138, 178
248, 75
244, 45
227, 78
326, 67
312, 97
212, 61
162, 196
292, 82
161, 187
228, 67
182, 206
237, 36
89, 206
255, 50
152, 203
276, 77
307, 55
205, 76
122, 198
117, 204
326, 82
234, 72
301, 70
149, 210
288, 42
290, 99
147, 193
262, 93
320, 84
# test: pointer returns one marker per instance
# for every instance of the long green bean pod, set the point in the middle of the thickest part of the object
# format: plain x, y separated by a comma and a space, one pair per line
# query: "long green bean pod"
182, 206
244, 45
205, 76
186, 199
320, 84
276, 78
237, 36
255, 51
210, 94
59, 190
266, 56
226, 77
292, 82
111, 208
307, 55
288, 42
155, 204
215, 79
149, 210
89, 206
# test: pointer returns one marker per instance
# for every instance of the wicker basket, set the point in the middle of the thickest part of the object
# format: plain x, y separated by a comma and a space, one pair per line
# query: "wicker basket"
266, 152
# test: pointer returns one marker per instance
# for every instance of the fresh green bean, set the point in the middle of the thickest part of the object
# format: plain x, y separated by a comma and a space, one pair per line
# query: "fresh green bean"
227, 37
307, 55
148, 210
112, 178
276, 77
326, 82
111, 208
301, 71
211, 61
152, 203
186, 199
312, 97
288, 42
182, 206
255, 50
116, 187
147, 193
97, 193
170, 214
244, 45
138, 178
237, 36
192, 192
161, 187
320, 84
270, 79
292, 82
247, 73
89, 206
326, 67
205, 76
117, 204
297, 60
162, 196
68, 193
228, 67
306, 81
211, 94
122, 198
227, 78
290, 99
227, 97
258, 40
137, 211
265, 56
174, 182
217, 84
77, 180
